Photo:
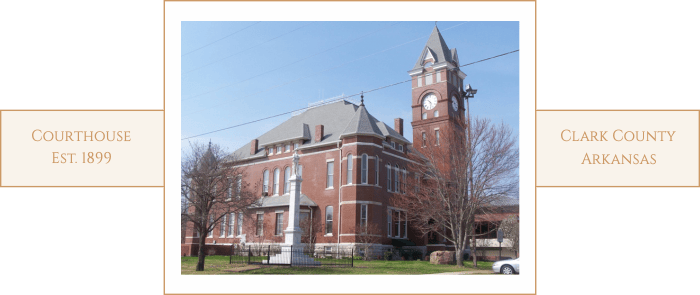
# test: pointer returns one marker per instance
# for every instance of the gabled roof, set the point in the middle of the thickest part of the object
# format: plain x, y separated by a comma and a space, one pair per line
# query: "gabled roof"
340, 118
439, 49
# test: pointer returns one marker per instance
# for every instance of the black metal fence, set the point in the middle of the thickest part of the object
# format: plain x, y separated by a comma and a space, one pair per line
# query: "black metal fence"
291, 256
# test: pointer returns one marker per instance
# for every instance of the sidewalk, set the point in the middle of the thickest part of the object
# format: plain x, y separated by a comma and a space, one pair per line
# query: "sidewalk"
466, 272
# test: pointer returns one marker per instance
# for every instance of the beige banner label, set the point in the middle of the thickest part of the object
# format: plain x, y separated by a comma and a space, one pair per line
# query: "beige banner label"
617, 148
82, 148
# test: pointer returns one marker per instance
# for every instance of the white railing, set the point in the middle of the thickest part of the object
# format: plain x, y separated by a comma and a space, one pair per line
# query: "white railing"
322, 102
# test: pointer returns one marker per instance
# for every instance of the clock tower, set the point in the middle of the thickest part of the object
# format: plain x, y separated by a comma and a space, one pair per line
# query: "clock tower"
436, 103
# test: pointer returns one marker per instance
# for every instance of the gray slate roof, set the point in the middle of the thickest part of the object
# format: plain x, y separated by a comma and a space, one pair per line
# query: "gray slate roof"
283, 200
438, 48
362, 123
340, 118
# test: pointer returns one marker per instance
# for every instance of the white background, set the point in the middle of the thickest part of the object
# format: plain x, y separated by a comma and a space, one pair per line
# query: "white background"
524, 12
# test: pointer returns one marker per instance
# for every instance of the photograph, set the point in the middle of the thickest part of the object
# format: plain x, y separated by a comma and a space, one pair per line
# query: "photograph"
363, 147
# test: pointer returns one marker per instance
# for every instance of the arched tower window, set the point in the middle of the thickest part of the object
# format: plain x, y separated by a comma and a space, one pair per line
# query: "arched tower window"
349, 169
364, 169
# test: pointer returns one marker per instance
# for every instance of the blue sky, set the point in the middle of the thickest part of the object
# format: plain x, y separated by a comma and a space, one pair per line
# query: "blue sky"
236, 72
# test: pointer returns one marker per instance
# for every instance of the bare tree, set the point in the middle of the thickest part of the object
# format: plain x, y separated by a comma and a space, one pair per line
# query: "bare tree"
310, 228
459, 177
368, 237
183, 220
213, 187
511, 231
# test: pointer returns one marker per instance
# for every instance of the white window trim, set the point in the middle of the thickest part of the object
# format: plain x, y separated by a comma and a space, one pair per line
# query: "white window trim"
332, 175
349, 169
231, 225
223, 227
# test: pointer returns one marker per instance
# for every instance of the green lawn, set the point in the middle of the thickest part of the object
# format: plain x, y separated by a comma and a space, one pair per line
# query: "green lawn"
220, 265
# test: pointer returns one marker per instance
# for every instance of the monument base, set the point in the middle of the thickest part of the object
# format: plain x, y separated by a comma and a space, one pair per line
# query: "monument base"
294, 256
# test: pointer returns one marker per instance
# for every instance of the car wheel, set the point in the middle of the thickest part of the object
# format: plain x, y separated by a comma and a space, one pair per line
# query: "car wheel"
507, 270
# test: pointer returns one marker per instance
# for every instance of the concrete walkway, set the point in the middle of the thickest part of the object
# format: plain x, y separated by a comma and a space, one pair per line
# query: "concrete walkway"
466, 272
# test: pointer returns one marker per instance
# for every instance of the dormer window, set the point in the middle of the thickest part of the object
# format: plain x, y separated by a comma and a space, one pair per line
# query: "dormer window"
271, 151
401, 148
393, 145
286, 148
428, 64
296, 146
279, 149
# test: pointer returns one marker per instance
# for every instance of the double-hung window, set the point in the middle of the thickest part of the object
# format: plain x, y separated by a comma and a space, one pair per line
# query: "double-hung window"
276, 182
376, 170
364, 169
266, 181
388, 177
222, 227
287, 172
239, 224
349, 177
329, 220
278, 227
231, 223
363, 216
396, 179
329, 175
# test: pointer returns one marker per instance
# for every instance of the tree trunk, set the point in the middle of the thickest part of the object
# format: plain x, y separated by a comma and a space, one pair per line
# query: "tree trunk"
200, 252
459, 255
473, 251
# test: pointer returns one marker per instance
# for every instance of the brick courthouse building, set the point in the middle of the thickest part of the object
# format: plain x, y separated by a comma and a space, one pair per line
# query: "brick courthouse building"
352, 165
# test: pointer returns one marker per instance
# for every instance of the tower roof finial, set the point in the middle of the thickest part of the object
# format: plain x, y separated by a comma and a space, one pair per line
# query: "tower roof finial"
362, 98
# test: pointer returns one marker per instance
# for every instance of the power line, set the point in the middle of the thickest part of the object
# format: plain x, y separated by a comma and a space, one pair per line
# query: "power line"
340, 98
289, 64
316, 73
239, 52
222, 38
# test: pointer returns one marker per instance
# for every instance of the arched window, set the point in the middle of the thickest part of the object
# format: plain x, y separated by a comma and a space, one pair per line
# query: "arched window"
349, 169
388, 177
287, 174
403, 187
396, 179
364, 168
266, 181
276, 182
329, 220
376, 170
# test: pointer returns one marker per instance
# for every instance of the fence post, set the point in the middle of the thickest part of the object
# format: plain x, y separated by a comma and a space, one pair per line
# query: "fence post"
268, 254
291, 257
248, 254
352, 257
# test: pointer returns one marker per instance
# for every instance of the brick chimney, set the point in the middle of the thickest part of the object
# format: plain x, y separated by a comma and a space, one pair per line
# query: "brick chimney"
319, 133
398, 125
253, 146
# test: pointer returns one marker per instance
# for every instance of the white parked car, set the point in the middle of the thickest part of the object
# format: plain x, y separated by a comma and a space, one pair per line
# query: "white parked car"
507, 267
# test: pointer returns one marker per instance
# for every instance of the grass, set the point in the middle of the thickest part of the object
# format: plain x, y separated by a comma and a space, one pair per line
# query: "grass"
220, 265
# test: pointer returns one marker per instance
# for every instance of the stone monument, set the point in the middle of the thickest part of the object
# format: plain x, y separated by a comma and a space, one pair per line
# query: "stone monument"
292, 249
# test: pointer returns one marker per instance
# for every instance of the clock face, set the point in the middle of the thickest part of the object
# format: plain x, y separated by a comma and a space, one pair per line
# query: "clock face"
429, 101
455, 103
